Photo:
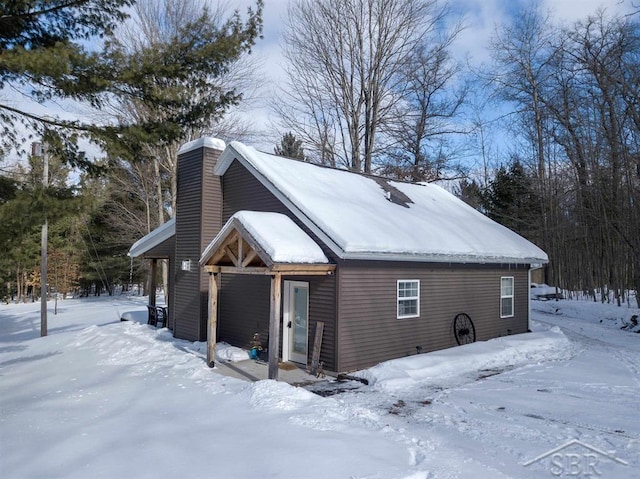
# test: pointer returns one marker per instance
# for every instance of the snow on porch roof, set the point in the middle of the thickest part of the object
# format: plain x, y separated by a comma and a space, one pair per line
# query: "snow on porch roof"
276, 234
153, 239
364, 217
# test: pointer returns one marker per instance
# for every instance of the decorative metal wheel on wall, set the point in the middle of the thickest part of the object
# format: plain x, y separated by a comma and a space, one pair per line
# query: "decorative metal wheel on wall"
463, 329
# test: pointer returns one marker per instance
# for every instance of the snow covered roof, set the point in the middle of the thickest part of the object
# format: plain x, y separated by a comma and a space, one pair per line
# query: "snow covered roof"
364, 217
273, 234
153, 239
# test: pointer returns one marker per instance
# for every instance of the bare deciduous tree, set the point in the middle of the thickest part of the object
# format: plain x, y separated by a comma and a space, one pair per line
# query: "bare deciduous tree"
343, 63
522, 52
432, 93
575, 96
598, 67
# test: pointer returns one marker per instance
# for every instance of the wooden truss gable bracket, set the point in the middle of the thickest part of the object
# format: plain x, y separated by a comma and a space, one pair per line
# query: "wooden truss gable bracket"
241, 250
224, 249
231, 256
254, 248
250, 256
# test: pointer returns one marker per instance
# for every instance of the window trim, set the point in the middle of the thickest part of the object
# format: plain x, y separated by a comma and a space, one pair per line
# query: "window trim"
407, 298
508, 296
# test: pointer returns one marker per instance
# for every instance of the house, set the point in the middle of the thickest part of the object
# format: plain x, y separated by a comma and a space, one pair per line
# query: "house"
284, 248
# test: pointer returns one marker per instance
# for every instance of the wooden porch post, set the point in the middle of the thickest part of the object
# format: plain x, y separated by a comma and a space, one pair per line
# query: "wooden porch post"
212, 319
152, 282
274, 325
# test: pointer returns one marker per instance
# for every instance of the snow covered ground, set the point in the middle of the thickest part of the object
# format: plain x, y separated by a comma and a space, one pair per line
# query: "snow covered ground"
102, 398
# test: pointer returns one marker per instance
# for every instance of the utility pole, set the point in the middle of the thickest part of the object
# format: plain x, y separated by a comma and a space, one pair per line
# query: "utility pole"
43, 274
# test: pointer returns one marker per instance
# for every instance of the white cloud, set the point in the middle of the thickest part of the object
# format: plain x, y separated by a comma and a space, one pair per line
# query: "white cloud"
483, 16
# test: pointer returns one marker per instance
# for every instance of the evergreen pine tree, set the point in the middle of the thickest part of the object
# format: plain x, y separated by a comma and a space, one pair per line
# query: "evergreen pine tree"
470, 192
511, 200
43, 54
25, 211
290, 147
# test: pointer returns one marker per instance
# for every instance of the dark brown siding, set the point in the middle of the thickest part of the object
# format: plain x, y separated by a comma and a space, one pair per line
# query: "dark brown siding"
163, 250
211, 211
198, 217
244, 309
172, 292
369, 331
242, 191
211, 221
322, 307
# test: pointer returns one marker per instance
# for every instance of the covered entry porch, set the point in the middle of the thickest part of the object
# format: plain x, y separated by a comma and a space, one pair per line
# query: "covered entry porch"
155, 246
272, 245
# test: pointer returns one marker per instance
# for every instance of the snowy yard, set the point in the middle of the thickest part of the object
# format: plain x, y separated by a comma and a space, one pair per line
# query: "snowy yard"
102, 398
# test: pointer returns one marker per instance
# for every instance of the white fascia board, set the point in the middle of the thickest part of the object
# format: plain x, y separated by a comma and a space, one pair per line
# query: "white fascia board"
226, 158
204, 142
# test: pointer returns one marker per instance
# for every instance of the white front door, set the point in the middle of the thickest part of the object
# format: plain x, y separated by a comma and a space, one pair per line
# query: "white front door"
295, 321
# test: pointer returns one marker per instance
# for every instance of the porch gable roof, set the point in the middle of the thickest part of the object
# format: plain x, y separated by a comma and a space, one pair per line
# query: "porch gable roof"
264, 242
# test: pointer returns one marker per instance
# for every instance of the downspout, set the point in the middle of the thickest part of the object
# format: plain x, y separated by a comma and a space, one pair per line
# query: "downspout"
532, 267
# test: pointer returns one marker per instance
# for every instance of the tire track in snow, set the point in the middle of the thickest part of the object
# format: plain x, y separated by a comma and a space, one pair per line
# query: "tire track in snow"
624, 355
629, 358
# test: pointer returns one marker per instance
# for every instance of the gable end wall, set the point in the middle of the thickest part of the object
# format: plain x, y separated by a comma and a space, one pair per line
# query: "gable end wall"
242, 191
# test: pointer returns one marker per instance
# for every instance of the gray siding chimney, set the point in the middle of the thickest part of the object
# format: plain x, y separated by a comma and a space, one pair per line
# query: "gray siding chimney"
198, 221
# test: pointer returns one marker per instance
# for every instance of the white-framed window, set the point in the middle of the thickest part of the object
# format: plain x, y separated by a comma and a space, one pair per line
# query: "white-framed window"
408, 298
506, 296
